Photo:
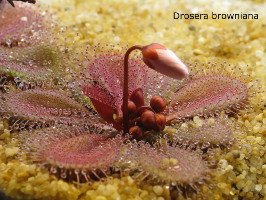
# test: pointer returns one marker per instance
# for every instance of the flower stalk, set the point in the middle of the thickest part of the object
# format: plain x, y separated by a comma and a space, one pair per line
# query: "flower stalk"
162, 60
125, 89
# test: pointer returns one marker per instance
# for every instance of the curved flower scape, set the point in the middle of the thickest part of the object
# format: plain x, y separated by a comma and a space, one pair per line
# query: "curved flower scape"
125, 94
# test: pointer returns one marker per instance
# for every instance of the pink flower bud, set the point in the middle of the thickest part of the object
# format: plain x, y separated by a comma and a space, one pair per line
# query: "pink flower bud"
164, 61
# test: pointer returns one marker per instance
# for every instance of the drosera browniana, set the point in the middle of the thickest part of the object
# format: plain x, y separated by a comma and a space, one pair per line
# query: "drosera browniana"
130, 94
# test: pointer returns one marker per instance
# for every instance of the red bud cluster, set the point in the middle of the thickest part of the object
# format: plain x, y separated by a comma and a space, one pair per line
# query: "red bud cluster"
143, 118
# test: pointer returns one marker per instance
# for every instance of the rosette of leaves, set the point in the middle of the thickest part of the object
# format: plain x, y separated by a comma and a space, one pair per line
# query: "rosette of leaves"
102, 82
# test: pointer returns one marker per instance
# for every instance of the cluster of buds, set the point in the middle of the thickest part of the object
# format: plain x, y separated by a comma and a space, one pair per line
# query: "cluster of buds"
143, 118
136, 116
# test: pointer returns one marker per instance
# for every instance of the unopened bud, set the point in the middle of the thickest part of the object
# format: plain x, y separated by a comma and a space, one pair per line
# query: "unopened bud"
164, 61
148, 119
136, 132
157, 103
131, 106
137, 97
160, 122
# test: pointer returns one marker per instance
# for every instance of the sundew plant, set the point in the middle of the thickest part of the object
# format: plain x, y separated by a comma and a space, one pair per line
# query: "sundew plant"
107, 112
